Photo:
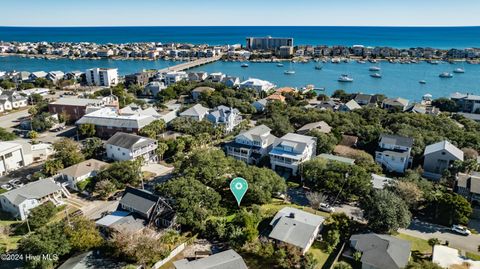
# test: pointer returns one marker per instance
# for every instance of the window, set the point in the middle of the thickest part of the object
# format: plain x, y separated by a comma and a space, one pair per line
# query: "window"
8, 155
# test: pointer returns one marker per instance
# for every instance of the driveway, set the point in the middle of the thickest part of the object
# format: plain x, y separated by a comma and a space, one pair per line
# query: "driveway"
10, 120
427, 230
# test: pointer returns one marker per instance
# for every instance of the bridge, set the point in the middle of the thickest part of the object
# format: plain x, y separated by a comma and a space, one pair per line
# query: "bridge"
191, 64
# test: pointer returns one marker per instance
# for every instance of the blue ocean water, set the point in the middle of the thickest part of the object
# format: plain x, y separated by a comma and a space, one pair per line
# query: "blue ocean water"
398, 79
400, 37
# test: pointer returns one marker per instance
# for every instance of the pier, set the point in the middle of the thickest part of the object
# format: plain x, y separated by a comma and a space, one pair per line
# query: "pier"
191, 64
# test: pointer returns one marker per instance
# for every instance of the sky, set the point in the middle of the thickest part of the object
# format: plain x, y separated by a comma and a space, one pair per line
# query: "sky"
240, 13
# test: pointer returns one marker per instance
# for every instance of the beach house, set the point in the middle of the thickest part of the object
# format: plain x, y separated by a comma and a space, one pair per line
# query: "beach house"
439, 157
124, 147
290, 151
393, 152
252, 145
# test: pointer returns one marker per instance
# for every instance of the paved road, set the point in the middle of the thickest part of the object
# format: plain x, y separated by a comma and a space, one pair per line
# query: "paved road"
427, 230
10, 120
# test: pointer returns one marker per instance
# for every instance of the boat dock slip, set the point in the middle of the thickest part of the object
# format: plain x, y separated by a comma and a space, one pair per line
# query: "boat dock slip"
191, 64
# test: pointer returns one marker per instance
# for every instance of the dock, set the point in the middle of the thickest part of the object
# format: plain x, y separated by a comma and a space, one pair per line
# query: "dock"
191, 64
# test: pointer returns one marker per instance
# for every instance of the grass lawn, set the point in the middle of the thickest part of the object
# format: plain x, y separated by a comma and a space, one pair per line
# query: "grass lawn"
473, 256
319, 255
10, 241
272, 208
418, 244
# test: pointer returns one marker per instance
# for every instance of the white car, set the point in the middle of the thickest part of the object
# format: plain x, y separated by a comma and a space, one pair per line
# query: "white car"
326, 208
7, 187
461, 230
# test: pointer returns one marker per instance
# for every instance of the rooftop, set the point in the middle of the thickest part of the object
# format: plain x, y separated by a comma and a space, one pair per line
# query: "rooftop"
444, 145
129, 141
108, 116
396, 140
224, 260
34, 190
337, 158
83, 168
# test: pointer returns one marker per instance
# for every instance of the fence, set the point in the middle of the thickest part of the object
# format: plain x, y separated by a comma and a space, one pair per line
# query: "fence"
172, 254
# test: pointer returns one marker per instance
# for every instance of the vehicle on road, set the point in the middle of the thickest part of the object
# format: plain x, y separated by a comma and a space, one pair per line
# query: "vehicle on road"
461, 230
16, 183
326, 208
6, 187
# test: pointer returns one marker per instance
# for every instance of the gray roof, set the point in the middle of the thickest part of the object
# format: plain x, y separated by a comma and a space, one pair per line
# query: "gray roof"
224, 260
259, 133
395, 102
337, 158
34, 190
220, 113
469, 181
203, 89
140, 201
320, 125
70, 101
89, 260
396, 140
109, 117
382, 251
295, 141
444, 145
129, 141
195, 111
295, 226
352, 105
83, 168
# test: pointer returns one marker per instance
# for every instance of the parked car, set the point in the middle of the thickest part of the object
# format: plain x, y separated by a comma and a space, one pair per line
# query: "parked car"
326, 208
16, 183
461, 230
6, 187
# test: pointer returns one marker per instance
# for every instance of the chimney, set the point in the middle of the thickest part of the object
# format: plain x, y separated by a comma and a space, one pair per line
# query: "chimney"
292, 215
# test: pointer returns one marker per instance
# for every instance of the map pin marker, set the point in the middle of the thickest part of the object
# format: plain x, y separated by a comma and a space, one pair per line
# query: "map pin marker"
239, 187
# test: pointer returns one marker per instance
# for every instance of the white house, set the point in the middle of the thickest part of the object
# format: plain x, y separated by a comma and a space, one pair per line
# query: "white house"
227, 117
12, 157
250, 146
124, 147
102, 76
395, 103
20, 201
174, 77
349, 106
196, 112
257, 85
393, 152
81, 171
439, 157
216, 77
290, 151
55, 75
296, 227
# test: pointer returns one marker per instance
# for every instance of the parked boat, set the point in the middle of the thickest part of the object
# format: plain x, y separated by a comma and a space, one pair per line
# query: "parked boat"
434, 62
446, 75
345, 78
459, 71
422, 82
374, 68
376, 75
244, 65
361, 62
373, 61
335, 61
289, 72
280, 65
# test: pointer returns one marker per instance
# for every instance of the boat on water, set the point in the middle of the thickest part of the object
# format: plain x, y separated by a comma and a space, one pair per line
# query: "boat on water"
422, 82
361, 62
335, 61
376, 75
345, 78
244, 65
373, 61
434, 62
374, 68
289, 72
446, 75
459, 71
280, 65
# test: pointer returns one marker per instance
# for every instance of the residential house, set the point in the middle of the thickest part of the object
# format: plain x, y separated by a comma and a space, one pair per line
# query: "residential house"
196, 112
448, 257
468, 185
153, 88
228, 259
439, 157
216, 77
109, 121
349, 106
381, 251
365, 99
260, 105
252, 145
290, 151
260, 86
20, 201
197, 76
81, 171
125, 147
197, 92
319, 126
12, 157
13, 100
276, 97
174, 77
74, 75
393, 152
37, 75
106, 77
296, 227
226, 117
5, 104
55, 76
328, 105
466, 102
76, 108
396, 104
140, 79
231, 82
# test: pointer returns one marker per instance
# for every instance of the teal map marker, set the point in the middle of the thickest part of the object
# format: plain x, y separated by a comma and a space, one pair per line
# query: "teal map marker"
239, 187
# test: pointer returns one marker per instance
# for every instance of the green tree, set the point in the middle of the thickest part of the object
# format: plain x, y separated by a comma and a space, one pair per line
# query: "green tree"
52, 166
7, 84
450, 208
93, 148
161, 149
342, 265
6, 136
433, 242
67, 151
153, 129
325, 142
423, 265
445, 104
41, 215
83, 234
105, 188
32, 134
87, 130
385, 211
121, 174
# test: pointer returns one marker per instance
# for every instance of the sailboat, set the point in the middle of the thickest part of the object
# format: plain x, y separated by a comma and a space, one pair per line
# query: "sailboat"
290, 71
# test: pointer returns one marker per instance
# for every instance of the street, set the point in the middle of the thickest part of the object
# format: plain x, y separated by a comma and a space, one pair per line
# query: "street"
10, 120
425, 230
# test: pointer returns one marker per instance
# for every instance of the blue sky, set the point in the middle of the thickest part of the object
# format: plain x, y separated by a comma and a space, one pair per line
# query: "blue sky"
243, 12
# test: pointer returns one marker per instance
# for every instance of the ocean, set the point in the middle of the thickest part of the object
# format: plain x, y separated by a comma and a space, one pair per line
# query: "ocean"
398, 79
399, 37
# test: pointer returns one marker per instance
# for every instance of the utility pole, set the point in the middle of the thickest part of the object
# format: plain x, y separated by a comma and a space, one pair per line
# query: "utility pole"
344, 181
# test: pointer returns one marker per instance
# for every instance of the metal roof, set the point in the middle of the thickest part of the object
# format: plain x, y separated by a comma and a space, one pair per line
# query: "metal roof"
224, 260
34, 190
128, 141
444, 145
